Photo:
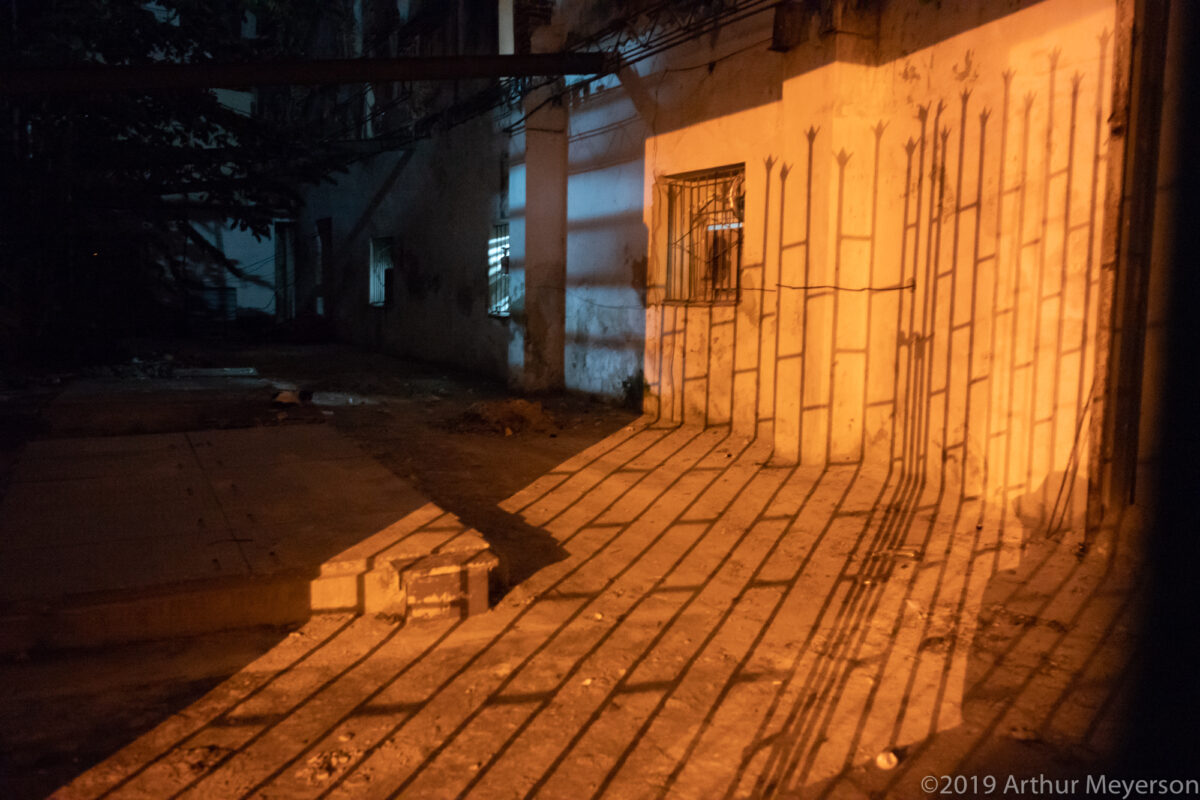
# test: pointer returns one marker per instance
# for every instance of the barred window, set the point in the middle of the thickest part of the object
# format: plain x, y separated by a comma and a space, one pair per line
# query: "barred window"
380, 277
704, 234
498, 248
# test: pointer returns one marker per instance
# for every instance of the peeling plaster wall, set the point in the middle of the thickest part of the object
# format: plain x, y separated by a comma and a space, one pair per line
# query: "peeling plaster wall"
440, 207
599, 293
605, 242
921, 249
606, 246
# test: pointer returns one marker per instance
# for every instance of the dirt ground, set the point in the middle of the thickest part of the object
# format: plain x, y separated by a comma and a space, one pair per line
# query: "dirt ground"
463, 441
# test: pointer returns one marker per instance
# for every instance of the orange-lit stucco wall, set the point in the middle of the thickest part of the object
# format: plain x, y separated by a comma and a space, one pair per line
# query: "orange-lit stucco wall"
920, 255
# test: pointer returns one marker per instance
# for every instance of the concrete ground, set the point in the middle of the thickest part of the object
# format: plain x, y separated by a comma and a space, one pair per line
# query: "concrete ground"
720, 626
111, 539
140, 504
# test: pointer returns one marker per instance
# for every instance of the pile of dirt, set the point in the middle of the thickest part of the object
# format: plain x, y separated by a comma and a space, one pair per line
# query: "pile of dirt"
136, 368
504, 417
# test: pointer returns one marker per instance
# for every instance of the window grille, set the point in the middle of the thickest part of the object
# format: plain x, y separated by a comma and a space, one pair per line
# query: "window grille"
704, 234
498, 250
381, 270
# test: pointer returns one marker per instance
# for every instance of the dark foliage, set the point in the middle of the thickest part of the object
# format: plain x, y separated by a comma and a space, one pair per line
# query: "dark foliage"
101, 191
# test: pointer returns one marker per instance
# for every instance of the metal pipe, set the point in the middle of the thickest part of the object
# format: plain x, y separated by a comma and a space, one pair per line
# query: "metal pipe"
110, 78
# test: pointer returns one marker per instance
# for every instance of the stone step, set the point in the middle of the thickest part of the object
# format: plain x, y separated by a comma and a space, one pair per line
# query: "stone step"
435, 576
441, 569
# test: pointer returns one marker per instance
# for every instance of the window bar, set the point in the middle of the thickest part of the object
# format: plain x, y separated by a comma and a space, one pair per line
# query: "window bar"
705, 237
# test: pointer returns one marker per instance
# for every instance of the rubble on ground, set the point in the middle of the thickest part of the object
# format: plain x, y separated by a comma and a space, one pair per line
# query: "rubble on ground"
504, 417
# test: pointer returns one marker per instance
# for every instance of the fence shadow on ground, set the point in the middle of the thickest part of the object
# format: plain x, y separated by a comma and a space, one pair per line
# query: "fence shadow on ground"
721, 626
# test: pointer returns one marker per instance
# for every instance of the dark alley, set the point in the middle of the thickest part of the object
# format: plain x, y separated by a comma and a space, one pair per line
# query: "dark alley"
566, 399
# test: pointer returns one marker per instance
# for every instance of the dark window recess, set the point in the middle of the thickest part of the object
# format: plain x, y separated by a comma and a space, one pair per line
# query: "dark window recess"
221, 302
704, 234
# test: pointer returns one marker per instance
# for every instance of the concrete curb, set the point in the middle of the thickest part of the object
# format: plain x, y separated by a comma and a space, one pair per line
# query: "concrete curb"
187, 609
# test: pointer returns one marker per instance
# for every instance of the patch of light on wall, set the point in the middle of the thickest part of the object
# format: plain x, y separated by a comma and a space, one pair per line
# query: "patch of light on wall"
603, 194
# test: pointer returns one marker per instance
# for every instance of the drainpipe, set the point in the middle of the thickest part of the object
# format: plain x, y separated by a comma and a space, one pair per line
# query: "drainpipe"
1128, 235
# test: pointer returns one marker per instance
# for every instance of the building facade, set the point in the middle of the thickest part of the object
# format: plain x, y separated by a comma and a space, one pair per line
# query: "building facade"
877, 233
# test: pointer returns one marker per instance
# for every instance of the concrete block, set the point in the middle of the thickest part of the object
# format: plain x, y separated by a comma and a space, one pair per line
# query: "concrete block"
427, 574
447, 585
335, 593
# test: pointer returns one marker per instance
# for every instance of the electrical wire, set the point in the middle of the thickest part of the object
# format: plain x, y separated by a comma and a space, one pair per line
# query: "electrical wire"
911, 286
753, 8
668, 40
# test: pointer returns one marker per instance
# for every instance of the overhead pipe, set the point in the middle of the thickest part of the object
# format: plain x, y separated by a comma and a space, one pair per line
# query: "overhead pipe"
142, 77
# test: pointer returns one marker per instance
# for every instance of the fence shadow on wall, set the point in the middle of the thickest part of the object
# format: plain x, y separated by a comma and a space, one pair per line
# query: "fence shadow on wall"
927, 300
